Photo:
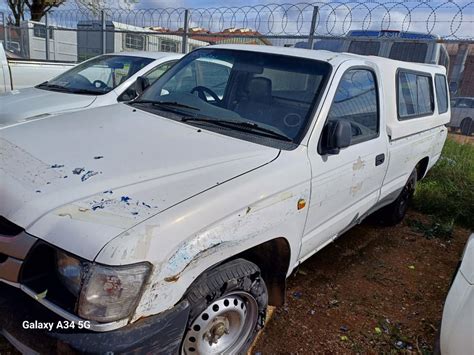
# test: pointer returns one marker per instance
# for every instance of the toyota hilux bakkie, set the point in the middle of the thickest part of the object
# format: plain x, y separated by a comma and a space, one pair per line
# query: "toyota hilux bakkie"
171, 222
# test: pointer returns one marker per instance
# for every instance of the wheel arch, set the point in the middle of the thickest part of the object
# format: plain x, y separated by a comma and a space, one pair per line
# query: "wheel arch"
422, 168
273, 259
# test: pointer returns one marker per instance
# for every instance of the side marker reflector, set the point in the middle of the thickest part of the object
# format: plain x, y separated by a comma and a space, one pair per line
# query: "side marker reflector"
301, 203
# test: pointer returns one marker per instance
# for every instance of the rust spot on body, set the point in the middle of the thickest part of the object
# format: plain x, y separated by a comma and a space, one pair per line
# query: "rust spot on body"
173, 278
358, 165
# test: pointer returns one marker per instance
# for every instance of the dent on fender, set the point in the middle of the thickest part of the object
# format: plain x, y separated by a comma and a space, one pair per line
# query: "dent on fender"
238, 232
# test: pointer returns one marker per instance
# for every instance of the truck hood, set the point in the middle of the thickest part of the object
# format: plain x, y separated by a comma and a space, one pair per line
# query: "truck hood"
78, 180
19, 105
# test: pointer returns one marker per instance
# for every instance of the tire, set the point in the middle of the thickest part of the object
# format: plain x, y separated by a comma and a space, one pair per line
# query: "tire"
395, 212
228, 305
467, 126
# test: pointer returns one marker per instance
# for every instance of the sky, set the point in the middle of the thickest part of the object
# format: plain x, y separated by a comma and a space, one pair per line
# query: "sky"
334, 19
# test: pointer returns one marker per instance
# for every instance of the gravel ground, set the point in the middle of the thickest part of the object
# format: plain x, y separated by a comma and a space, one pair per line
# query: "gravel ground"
375, 290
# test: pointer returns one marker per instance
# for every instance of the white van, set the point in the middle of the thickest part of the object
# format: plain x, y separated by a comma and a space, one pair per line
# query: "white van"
406, 46
170, 223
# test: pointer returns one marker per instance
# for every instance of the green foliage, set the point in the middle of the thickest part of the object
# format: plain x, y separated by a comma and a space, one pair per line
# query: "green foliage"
442, 230
447, 192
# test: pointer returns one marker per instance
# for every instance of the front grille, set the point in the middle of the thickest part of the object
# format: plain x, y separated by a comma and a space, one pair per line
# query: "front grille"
8, 228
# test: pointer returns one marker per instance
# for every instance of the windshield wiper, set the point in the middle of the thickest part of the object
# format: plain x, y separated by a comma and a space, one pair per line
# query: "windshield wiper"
52, 86
165, 103
241, 125
55, 87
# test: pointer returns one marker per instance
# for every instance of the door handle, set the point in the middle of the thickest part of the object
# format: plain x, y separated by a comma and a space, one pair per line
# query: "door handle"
379, 159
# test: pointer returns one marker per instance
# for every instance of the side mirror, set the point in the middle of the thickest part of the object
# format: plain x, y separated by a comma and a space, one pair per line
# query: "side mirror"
337, 134
141, 84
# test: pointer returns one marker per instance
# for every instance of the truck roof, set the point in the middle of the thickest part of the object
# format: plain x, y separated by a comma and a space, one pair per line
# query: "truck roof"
323, 55
387, 69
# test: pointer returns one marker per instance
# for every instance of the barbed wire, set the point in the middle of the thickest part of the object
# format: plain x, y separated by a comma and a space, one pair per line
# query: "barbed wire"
447, 19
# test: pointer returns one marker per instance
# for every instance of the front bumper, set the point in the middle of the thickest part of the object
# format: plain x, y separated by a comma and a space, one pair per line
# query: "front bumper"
155, 334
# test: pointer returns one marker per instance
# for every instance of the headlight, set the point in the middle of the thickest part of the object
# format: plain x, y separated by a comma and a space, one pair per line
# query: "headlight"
70, 272
111, 293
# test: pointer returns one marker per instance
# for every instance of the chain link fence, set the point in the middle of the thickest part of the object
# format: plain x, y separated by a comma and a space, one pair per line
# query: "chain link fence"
437, 32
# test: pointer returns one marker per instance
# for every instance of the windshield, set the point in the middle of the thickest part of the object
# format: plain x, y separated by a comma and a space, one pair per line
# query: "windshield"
256, 94
97, 76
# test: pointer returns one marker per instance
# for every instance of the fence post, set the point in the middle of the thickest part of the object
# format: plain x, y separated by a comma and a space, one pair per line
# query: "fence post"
46, 43
184, 48
104, 32
313, 27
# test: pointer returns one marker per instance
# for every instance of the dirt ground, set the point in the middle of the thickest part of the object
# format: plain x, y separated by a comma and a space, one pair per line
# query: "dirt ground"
375, 290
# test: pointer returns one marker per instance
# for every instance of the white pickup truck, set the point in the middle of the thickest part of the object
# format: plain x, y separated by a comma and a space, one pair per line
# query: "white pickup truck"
169, 223
18, 74
99, 81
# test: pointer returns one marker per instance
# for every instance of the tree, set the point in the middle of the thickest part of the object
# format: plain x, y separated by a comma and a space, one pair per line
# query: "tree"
38, 8
18, 11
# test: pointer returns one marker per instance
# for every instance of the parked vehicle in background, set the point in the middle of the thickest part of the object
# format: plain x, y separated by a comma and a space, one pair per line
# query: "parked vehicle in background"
458, 315
100, 81
462, 115
169, 223
18, 73
406, 46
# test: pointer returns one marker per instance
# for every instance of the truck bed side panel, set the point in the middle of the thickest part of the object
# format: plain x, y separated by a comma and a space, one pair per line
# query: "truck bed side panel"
405, 153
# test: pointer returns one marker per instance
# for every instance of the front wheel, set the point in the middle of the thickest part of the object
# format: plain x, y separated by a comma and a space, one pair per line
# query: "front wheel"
228, 307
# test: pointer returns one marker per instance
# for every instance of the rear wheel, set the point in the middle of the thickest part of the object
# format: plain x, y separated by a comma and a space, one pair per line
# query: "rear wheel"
228, 306
467, 126
395, 212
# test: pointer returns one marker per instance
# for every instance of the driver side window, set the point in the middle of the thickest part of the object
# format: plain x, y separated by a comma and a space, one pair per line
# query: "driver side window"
356, 100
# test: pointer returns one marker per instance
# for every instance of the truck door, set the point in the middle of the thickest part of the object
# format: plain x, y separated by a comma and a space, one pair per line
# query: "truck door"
346, 185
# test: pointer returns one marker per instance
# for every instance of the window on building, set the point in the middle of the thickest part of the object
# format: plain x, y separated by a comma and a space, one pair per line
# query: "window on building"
168, 46
356, 101
40, 31
441, 93
415, 95
135, 41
